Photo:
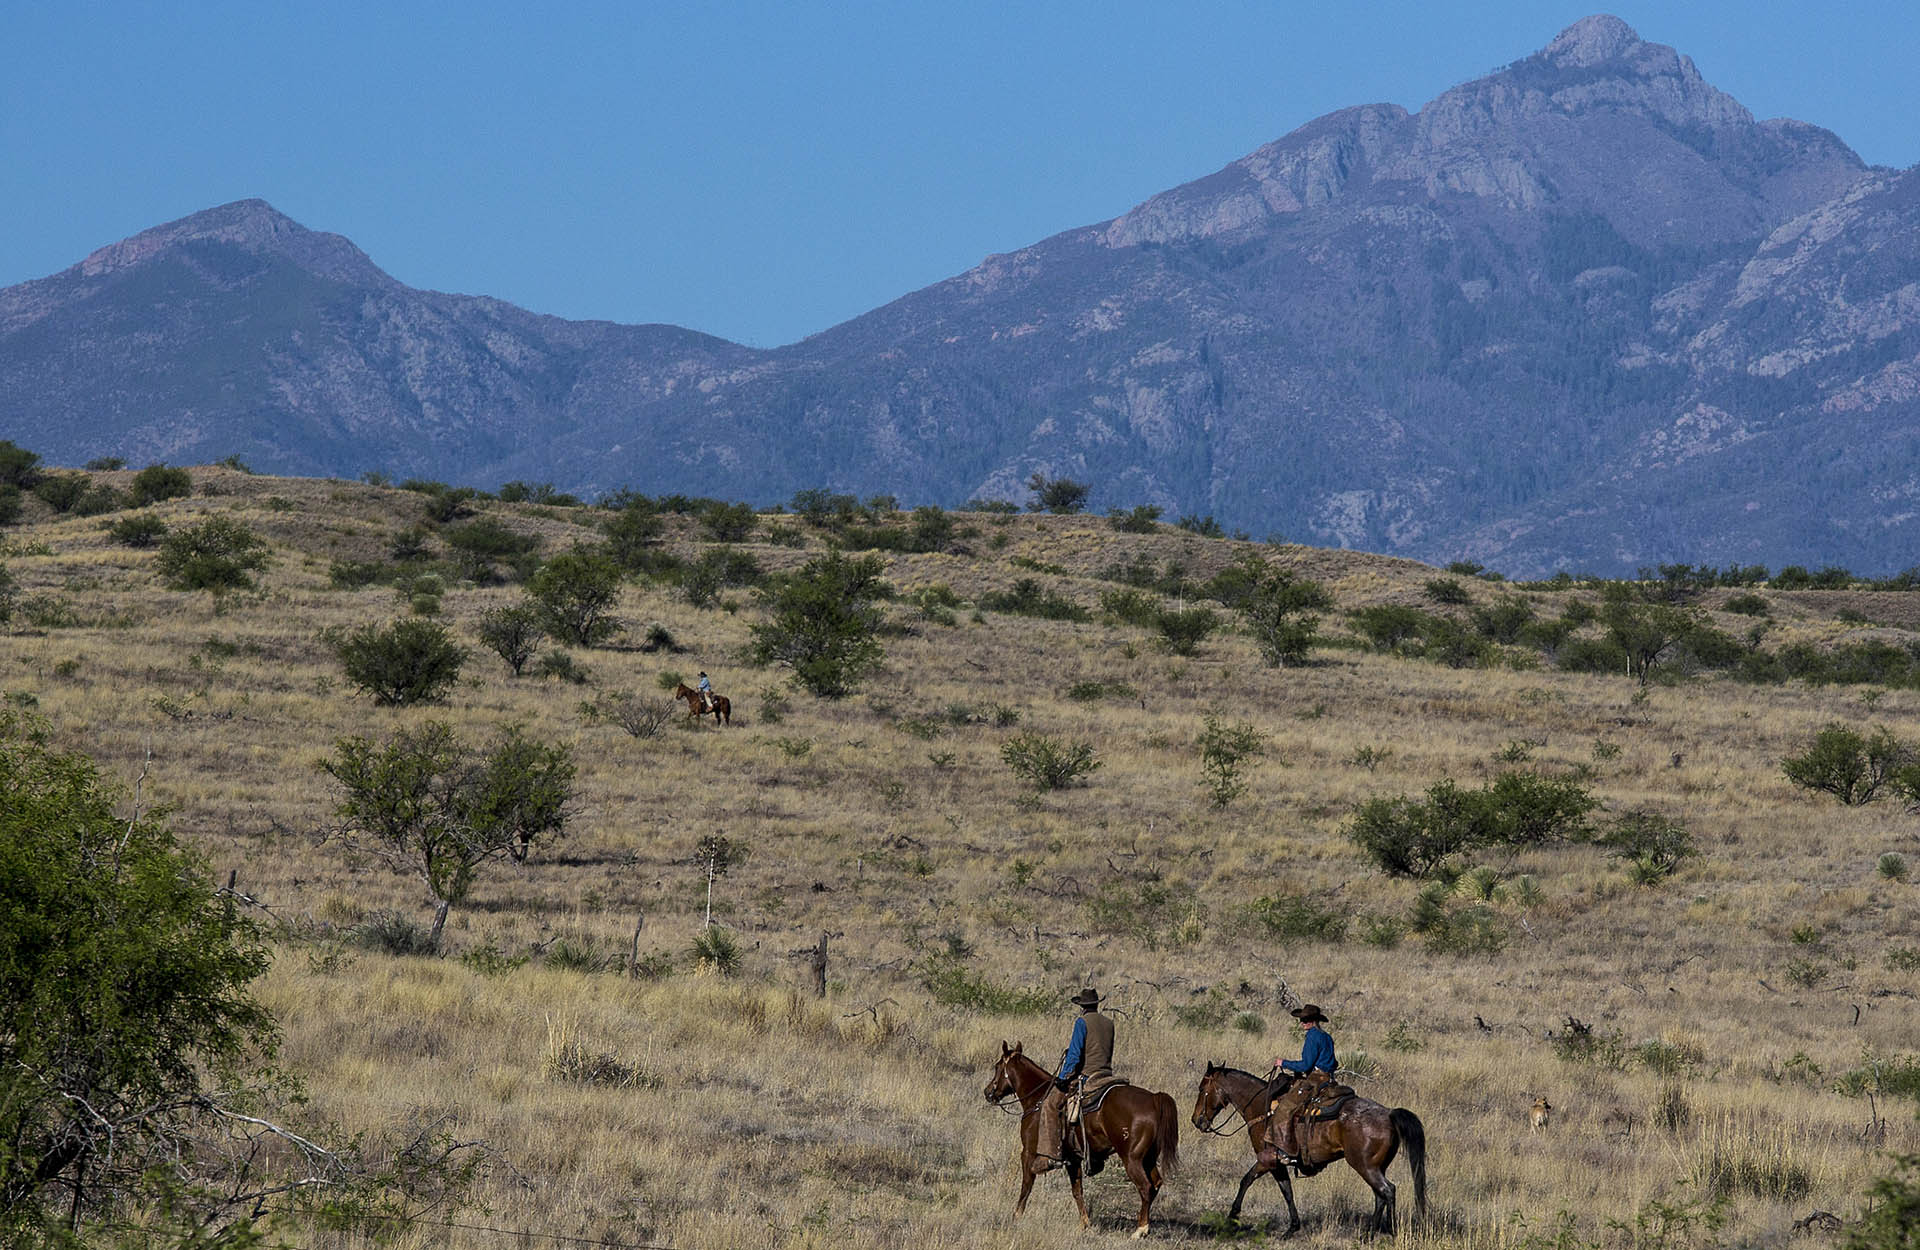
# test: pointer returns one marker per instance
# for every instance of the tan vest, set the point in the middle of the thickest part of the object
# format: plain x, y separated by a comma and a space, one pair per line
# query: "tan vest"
1096, 1060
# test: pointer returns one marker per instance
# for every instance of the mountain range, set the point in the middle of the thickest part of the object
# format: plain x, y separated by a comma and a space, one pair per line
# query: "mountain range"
1585, 312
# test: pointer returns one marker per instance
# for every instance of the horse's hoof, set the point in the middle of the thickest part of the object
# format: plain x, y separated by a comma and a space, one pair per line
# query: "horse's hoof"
1140, 1232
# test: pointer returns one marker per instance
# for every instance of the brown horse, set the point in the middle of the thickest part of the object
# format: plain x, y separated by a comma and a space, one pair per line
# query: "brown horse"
1364, 1133
722, 709
1140, 1126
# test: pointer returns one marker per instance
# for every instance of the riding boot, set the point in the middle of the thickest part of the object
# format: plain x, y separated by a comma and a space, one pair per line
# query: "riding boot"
1286, 1141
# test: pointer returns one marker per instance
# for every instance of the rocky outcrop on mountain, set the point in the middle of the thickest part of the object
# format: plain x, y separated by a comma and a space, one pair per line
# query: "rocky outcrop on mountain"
1583, 312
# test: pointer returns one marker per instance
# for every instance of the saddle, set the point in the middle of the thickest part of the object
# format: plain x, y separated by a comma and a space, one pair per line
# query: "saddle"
1327, 1103
1088, 1100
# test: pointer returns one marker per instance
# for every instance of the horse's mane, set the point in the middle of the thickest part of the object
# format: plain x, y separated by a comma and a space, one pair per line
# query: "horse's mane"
1027, 1059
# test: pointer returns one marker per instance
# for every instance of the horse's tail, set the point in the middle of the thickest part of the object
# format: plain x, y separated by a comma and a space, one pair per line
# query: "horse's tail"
1413, 1136
1166, 1114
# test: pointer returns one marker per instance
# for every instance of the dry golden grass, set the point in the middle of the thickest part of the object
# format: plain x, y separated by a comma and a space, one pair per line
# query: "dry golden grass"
761, 1116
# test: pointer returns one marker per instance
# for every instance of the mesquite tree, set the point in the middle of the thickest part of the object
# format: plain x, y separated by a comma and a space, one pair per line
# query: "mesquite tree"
428, 804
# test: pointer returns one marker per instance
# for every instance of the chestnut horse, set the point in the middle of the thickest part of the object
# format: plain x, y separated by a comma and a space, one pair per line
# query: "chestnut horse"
1364, 1133
1140, 1126
722, 709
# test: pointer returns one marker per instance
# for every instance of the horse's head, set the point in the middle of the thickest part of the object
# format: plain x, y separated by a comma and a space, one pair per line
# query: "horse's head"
1002, 1085
1210, 1099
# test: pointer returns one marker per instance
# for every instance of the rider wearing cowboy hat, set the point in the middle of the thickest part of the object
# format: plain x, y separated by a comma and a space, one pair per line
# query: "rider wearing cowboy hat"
1089, 1057
1316, 1055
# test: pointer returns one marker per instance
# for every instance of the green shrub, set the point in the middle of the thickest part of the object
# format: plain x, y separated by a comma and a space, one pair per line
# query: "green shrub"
479, 546
561, 666
62, 491
1058, 495
390, 933
490, 961
822, 623
1154, 913
1224, 752
1503, 620
513, 633
1388, 626
1182, 631
1893, 1212
1448, 591
1029, 598
438, 810
1140, 519
718, 568
1093, 690
1046, 763
1131, 607
1289, 917
1280, 613
1892, 866
575, 594
728, 522
1412, 837
1847, 764
126, 1010
1747, 605
19, 468
157, 482
141, 530
408, 662
1591, 655
1653, 846
219, 554
951, 983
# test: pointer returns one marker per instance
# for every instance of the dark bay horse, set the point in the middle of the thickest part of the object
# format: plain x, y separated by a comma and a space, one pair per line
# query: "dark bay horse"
722, 709
1366, 1134
1140, 1126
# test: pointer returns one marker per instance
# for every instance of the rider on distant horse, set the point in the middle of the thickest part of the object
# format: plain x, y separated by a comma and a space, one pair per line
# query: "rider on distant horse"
1090, 1057
706, 693
1316, 1055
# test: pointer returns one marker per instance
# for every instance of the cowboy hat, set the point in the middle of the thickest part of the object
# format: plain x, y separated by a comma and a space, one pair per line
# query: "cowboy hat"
1088, 998
1309, 1014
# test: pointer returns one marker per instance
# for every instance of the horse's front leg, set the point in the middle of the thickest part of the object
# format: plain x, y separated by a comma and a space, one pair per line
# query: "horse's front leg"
1026, 1182
1253, 1174
1079, 1195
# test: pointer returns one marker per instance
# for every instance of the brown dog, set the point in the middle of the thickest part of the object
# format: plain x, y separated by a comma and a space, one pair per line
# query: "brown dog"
1537, 1117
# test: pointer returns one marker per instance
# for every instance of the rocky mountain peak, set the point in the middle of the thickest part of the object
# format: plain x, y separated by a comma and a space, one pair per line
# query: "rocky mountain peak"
1590, 41
252, 225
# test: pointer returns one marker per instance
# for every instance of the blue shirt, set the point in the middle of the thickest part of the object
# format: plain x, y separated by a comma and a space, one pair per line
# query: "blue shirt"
1070, 1066
705, 686
1316, 1053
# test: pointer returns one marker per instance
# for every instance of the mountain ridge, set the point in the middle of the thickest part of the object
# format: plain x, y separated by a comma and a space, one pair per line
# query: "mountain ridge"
1555, 318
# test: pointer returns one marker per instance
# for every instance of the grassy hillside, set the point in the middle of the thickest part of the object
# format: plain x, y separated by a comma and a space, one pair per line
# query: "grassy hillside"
1725, 1001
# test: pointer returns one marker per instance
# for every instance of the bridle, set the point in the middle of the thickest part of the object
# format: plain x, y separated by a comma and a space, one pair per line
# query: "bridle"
1013, 1092
1246, 1125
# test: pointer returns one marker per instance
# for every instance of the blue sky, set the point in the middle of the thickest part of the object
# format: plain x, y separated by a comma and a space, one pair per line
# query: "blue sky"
763, 171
